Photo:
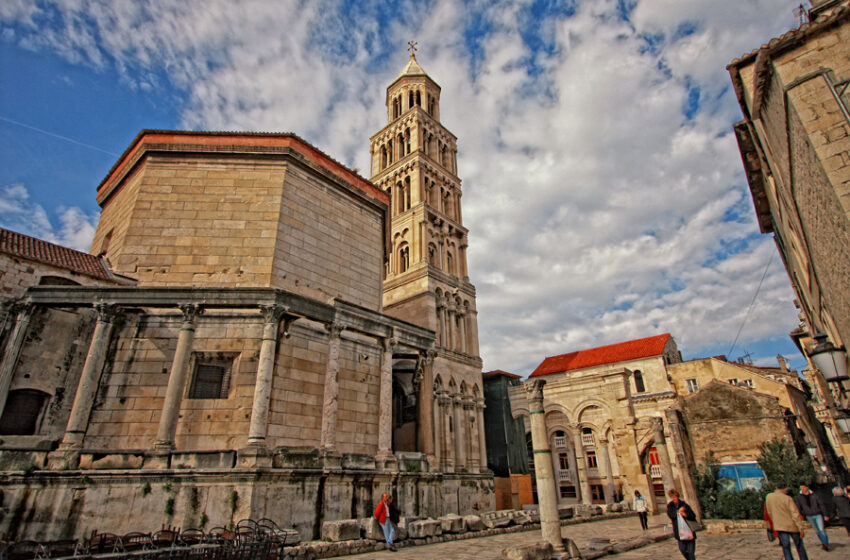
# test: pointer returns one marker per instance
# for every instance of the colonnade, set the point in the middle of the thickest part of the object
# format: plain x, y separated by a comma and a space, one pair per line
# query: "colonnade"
458, 429
456, 324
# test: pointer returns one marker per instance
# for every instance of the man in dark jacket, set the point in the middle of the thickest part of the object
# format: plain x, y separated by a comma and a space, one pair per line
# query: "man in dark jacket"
841, 507
815, 513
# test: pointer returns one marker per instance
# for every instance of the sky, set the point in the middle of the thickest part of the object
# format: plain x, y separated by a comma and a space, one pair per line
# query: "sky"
602, 185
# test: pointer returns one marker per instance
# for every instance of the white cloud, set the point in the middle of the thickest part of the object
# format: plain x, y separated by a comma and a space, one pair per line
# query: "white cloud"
18, 212
599, 209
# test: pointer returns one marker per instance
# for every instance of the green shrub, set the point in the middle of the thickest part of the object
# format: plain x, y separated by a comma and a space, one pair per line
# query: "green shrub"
740, 504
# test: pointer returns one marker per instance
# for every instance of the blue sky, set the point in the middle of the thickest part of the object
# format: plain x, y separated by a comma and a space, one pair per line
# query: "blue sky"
602, 185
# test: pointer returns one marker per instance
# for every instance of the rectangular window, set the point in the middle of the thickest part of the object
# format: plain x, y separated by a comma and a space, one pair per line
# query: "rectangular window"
733, 381
747, 383
211, 378
563, 462
693, 385
568, 491
597, 493
591, 459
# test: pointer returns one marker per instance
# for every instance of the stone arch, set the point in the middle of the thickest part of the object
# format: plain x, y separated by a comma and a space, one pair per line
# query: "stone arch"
587, 404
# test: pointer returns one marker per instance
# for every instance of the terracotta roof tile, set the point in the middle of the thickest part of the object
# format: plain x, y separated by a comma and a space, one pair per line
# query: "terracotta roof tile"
24, 246
611, 354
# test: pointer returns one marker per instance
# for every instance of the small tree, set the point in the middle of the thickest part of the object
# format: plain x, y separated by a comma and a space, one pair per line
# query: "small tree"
781, 463
705, 480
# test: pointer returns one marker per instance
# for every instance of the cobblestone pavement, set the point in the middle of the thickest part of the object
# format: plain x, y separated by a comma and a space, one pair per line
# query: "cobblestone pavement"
745, 545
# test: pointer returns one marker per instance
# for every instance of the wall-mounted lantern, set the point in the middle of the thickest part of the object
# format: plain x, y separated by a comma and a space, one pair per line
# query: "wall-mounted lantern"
831, 361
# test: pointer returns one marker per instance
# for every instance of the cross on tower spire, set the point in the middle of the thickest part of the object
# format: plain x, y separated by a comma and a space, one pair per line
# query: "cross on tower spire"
411, 46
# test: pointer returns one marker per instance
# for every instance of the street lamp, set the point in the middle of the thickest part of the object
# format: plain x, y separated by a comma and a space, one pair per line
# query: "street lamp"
842, 420
831, 361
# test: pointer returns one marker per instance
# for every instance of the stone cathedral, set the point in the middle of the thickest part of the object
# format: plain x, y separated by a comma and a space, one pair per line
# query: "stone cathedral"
257, 331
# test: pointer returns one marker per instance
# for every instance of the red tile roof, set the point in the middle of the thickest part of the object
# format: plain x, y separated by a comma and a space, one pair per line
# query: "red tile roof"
611, 354
24, 246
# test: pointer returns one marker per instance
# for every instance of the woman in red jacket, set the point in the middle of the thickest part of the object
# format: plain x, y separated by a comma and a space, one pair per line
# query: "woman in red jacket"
382, 514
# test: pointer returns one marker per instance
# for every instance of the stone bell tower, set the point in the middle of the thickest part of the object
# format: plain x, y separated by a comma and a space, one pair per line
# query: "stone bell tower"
414, 159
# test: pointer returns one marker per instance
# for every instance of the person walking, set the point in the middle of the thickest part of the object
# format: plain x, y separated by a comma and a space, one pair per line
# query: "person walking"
841, 507
783, 518
680, 513
642, 510
814, 511
382, 514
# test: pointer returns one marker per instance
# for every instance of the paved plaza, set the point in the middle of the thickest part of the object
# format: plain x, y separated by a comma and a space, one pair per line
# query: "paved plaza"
744, 545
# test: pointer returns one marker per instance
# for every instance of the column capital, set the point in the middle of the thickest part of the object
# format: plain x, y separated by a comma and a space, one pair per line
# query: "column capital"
534, 392
457, 400
468, 403
334, 329
480, 404
273, 313
105, 311
190, 311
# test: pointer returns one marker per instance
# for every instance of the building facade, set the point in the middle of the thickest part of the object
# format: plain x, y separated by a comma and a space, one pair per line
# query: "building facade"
634, 416
246, 363
795, 147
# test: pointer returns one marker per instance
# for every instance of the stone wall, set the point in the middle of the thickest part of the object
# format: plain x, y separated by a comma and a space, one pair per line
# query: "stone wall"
44, 505
18, 274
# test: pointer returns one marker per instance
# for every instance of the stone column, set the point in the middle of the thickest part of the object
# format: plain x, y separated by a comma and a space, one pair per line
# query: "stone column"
473, 460
68, 454
451, 342
330, 401
663, 454
462, 341
473, 332
574, 470
425, 407
677, 447
177, 380
438, 430
606, 468
445, 415
581, 468
13, 351
547, 490
272, 315
444, 339
460, 443
482, 440
385, 405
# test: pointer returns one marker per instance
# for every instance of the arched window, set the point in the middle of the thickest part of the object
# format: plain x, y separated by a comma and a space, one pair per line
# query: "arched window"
418, 98
390, 150
399, 198
56, 281
383, 157
23, 413
410, 99
400, 145
407, 140
432, 255
406, 199
450, 265
403, 258
444, 156
639, 386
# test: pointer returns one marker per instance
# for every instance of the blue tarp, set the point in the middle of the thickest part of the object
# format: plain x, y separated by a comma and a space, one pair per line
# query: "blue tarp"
739, 476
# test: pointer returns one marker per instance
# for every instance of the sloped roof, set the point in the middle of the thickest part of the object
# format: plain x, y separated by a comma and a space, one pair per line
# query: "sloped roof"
24, 246
611, 354
500, 373
412, 68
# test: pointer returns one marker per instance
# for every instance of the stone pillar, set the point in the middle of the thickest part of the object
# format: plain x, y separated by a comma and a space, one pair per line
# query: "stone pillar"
438, 430
547, 490
581, 467
445, 415
67, 456
473, 460
272, 315
663, 454
444, 332
473, 332
177, 380
425, 407
677, 447
482, 440
451, 343
385, 405
462, 340
574, 469
460, 442
330, 401
606, 467
13, 351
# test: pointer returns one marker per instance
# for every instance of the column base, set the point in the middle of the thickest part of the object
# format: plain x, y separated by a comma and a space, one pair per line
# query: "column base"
158, 459
386, 461
255, 455
330, 459
64, 459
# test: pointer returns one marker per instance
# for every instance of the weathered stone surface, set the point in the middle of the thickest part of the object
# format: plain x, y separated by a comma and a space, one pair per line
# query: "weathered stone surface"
452, 524
473, 522
494, 519
341, 530
564, 512
424, 528
371, 529
536, 551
